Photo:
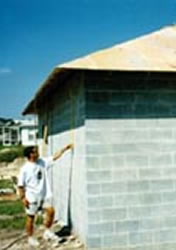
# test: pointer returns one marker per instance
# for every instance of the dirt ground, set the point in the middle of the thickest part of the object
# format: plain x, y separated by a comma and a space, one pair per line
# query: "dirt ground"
8, 197
17, 240
7, 171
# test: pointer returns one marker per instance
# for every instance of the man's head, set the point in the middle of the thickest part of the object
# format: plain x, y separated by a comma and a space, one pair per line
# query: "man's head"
31, 153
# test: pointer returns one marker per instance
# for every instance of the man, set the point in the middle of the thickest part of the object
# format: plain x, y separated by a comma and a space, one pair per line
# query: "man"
35, 192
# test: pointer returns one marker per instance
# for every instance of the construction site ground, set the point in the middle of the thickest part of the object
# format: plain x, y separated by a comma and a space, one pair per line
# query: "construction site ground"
17, 239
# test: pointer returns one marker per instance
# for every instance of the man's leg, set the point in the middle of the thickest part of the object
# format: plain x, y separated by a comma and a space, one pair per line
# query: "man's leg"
31, 212
50, 212
30, 225
48, 221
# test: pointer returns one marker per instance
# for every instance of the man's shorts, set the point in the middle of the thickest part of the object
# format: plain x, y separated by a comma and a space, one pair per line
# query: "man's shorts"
38, 206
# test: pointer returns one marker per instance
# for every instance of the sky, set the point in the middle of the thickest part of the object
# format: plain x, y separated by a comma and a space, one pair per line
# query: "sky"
37, 35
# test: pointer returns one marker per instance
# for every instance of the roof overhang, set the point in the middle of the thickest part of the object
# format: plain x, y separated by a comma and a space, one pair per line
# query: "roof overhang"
155, 52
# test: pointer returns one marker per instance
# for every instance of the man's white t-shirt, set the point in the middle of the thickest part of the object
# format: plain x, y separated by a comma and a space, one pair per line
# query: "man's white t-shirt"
33, 177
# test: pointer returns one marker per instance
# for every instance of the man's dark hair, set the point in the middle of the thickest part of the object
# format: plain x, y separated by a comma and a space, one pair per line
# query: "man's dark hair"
28, 151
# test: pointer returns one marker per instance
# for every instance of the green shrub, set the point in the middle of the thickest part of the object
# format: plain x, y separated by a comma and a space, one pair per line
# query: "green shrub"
9, 154
6, 183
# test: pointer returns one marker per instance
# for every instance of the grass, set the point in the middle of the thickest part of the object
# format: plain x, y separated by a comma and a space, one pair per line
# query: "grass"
16, 210
15, 223
18, 222
6, 183
11, 207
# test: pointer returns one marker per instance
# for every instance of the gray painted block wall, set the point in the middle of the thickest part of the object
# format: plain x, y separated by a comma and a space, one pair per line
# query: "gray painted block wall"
65, 116
124, 179
131, 161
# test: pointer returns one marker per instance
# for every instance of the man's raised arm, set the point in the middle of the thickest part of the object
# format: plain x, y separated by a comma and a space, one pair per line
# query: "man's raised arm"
59, 153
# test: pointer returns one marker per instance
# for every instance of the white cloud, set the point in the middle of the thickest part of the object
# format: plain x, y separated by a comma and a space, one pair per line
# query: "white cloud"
4, 71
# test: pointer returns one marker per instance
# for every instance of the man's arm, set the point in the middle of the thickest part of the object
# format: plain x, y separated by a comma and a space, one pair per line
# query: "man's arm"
59, 153
22, 196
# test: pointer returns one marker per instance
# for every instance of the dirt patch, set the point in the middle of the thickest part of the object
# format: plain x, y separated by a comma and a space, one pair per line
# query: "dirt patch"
7, 237
7, 171
11, 197
17, 240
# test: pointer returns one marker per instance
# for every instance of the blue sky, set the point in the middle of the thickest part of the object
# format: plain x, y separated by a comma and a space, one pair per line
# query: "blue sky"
36, 35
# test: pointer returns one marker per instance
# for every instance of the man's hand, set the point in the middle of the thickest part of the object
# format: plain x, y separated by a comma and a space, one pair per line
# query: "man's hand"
21, 191
25, 202
69, 146
59, 153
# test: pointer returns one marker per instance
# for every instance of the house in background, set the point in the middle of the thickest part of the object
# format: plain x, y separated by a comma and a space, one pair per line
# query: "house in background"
9, 132
118, 107
28, 132
15, 132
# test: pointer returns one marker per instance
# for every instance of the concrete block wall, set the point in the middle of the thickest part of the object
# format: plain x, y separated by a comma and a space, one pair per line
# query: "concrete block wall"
131, 161
65, 116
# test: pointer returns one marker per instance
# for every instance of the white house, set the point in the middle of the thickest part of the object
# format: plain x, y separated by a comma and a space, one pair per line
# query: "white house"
15, 132
9, 132
28, 132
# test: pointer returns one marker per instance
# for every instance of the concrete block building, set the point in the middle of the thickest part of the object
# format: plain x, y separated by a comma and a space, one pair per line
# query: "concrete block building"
118, 107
